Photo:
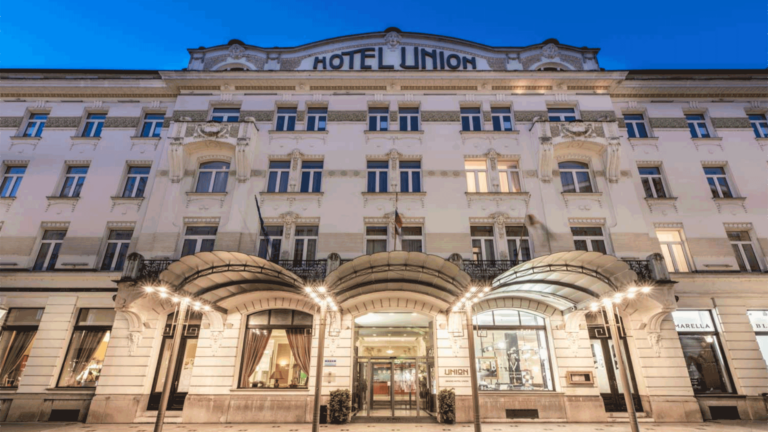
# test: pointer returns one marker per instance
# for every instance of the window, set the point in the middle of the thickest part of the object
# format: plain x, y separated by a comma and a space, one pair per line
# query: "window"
409, 119
512, 351
87, 349
477, 176
470, 119
136, 182
718, 182
561, 114
73, 181
269, 246
375, 239
316, 119
12, 181
653, 183
16, 341
697, 125
378, 119
198, 239
502, 119
286, 119
410, 176
509, 176
635, 126
574, 177
93, 125
35, 125
305, 243
117, 249
483, 246
759, 321
153, 125
311, 176
377, 176
49, 250
226, 115
212, 177
744, 251
703, 352
673, 250
590, 239
518, 244
277, 350
413, 238
759, 125
278, 176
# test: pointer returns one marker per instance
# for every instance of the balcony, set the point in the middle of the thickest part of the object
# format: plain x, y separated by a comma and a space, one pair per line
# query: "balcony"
310, 270
487, 270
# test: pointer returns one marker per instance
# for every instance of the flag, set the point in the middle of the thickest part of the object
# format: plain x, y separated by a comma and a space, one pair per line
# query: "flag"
263, 230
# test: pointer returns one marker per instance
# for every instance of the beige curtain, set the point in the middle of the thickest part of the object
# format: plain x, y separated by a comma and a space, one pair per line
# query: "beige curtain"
301, 347
255, 344
19, 345
86, 343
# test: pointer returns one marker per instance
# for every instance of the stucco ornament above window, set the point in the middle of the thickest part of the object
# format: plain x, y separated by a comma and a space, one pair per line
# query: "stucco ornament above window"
550, 51
236, 52
392, 40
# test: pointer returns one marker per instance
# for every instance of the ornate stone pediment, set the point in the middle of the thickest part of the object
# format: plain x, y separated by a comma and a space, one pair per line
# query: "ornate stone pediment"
211, 130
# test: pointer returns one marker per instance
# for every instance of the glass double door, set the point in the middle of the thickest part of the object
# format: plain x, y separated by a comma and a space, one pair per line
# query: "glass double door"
185, 362
393, 388
607, 372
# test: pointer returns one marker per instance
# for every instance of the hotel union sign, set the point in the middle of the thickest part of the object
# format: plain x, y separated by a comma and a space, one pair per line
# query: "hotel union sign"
406, 58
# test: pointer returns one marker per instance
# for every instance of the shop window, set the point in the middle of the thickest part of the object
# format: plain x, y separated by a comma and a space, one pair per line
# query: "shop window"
87, 349
483, 245
759, 321
575, 178
311, 176
703, 352
375, 239
16, 341
377, 176
316, 119
198, 239
512, 351
212, 177
278, 176
589, 239
674, 250
270, 244
277, 350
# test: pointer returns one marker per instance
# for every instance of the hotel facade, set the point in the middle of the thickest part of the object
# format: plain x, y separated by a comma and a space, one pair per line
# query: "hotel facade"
383, 184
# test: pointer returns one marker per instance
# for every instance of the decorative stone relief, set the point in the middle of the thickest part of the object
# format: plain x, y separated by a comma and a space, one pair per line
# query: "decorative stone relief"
259, 116
121, 122
11, 122
598, 116
62, 122
546, 159
216, 338
668, 122
347, 116
441, 116
393, 39
134, 339
529, 116
731, 123
196, 116
211, 130
654, 338
613, 160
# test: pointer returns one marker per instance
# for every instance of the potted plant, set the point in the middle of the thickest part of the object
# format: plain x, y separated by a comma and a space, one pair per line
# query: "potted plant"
339, 408
447, 406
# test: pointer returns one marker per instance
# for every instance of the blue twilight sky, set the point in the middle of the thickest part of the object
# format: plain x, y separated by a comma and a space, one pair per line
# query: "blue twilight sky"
142, 34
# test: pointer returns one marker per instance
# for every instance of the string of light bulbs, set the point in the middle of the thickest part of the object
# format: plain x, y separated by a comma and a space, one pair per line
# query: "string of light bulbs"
474, 295
165, 293
619, 297
321, 296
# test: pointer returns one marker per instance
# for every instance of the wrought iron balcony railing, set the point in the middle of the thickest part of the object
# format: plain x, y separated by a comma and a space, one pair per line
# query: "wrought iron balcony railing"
487, 270
642, 268
307, 270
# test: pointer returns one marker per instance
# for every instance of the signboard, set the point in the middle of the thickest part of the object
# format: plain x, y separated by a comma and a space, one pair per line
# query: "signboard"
329, 362
693, 321
407, 58
759, 320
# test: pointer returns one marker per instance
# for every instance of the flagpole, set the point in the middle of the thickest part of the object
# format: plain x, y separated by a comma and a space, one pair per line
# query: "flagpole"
263, 229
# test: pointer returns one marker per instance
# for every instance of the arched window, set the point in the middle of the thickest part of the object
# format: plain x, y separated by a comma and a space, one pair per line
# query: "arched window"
575, 177
550, 69
212, 177
276, 350
512, 351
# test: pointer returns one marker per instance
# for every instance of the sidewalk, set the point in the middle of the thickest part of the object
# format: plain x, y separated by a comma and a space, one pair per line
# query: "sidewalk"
718, 426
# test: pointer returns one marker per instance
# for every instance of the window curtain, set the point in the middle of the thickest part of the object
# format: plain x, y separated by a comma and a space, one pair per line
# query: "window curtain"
86, 343
16, 351
301, 347
256, 341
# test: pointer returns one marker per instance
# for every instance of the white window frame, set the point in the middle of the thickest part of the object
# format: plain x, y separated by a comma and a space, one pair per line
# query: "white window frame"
649, 178
155, 125
76, 178
372, 237
378, 172
119, 244
312, 172
473, 176
270, 242
508, 175
739, 244
306, 239
289, 113
697, 123
408, 237
319, 118
589, 238
411, 172
474, 126
518, 241
97, 125
482, 240
760, 132
629, 123
13, 180
500, 116
573, 172
39, 124
280, 173
409, 119
199, 238
561, 117
672, 266
138, 177
53, 244
213, 172
225, 116
378, 119
718, 187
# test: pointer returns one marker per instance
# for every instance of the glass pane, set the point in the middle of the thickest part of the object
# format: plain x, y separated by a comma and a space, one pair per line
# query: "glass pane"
739, 258
280, 123
41, 256
572, 165
403, 123
485, 318
465, 123
490, 251
372, 123
404, 186
272, 184
647, 187
414, 123
54, 256
481, 231
580, 245
566, 178
667, 258
305, 177
471, 182
188, 363
311, 123
505, 317
203, 181
220, 182
311, 249
16, 347
512, 360
504, 181
291, 123
585, 186
188, 248
121, 257
668, 236
283, 182
476, 123
129, 184
631, 130
705, 364
724, 188
598, 246
641, 131
66, 189
416, 182
482, 180
141, 187
751, 257
682, 264
382, 181
109, 256
27, 317
496, 123
85, 357
281, 317
659, 186
515, 181
259, 318
412, 245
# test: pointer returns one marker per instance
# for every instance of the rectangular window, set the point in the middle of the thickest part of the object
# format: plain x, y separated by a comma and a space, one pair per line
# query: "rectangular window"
378, 119
278, 176
674, 251
305, 243
93, 125
269, 246
49, 250
311, 176
316, 119
471, 120
409, 119
590, 239
152, 125
286, 119
703, 352
653, 183
117, 249
12, 181
136, 182
212, 177
410, 176
413, 238
375, 239
518, 244
377, 176
744, 250
502, 119
636, 126
718, 182
198, 239
16, 341
73, 181
35, 125
697, 124
759, 321
759, 125
226, 115
575, 178
561, 114
87, 349
509, 177
477, 176
483, 245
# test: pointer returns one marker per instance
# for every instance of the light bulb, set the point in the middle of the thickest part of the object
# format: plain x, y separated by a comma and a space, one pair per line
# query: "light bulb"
321, 289
486, 289
161, 289
645, 290
308, 289
149, 289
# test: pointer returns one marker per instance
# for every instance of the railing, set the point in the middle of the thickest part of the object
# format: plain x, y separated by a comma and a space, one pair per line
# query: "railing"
307, 270
642, 268
487, 270
152, 268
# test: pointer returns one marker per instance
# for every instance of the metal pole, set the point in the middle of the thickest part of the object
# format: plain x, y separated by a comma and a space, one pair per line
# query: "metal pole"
633, 425
319, 370
473, 369
171, 369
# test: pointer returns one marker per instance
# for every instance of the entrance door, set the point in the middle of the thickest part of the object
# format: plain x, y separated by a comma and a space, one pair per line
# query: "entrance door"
185, 362
607, 371
381, 390
405, 397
